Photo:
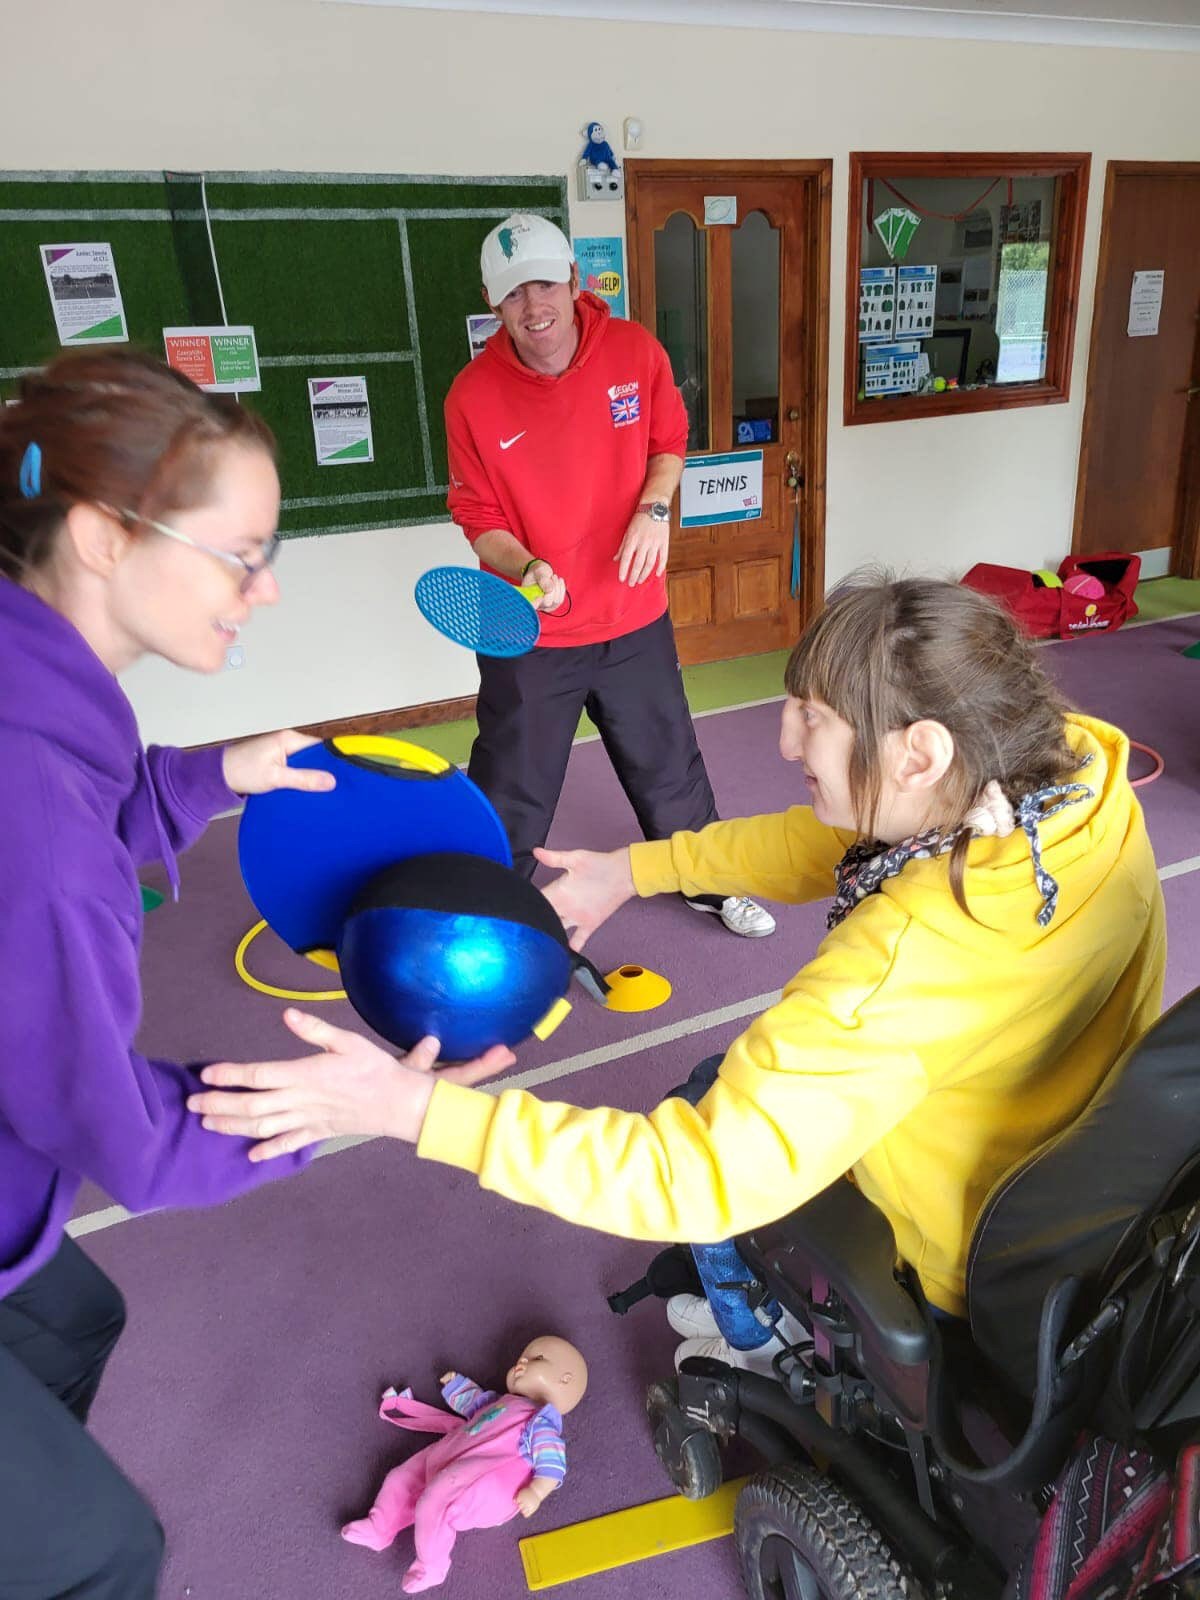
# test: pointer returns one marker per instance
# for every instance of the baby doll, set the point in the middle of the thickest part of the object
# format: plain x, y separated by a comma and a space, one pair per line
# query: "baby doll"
502, 1454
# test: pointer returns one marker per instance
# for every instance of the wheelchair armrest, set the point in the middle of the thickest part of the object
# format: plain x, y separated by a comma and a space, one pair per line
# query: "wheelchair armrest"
841, 1237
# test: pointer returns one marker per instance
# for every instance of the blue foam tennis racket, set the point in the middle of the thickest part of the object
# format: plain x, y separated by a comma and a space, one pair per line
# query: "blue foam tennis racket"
479, 610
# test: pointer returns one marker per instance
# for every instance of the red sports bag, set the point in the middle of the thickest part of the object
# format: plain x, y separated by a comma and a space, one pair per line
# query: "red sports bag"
1047, 613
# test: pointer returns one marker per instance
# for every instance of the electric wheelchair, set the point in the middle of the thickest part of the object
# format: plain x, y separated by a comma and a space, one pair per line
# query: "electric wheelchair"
910, 1454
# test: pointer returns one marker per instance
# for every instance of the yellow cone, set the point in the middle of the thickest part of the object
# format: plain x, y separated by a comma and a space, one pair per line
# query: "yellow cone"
634, 988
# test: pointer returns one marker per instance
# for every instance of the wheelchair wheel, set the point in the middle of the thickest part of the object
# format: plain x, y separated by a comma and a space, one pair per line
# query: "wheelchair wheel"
688, 1452
800, 1537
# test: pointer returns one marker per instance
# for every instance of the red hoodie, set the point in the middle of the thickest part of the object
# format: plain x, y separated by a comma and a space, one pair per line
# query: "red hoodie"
560, 463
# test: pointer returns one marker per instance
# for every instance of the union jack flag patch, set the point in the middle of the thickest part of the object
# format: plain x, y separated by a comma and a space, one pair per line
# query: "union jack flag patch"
625, 404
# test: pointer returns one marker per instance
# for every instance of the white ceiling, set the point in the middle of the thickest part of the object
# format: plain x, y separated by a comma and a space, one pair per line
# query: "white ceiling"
1132, 24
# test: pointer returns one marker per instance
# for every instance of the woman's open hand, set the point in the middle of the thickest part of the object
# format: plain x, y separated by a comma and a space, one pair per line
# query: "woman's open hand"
255, 766
594, 884
350, 1087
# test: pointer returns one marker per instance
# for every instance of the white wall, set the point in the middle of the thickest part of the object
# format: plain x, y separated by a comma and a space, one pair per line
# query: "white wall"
256, 84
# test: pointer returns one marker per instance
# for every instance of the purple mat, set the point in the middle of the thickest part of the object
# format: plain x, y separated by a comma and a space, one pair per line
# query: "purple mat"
243, 1395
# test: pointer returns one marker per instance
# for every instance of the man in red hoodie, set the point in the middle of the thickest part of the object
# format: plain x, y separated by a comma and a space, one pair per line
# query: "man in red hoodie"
566, 440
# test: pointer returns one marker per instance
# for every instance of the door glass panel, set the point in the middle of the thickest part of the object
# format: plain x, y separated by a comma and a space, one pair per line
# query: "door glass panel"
755, 270
681, 302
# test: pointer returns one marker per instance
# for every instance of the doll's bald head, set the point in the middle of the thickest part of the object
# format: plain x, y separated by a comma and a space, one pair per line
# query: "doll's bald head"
550, 1371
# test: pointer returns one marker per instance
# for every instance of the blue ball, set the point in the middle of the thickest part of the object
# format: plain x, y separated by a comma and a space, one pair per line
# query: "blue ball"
456, 946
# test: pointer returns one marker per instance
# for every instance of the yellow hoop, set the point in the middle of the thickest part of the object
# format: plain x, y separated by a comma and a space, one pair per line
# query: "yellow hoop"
239, 961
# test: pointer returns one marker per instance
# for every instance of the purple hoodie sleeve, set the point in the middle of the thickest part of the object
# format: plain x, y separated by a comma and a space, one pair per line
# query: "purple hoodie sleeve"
188, 789
73, 1087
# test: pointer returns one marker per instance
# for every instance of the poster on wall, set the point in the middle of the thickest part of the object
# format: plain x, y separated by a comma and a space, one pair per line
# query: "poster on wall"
480, 329
85, 294
916, 292
892, 368
975, 231
341, 419
876, 303
1145, 303
721, 488
602, 270
1022, 358
221, 360
1021, 224
977, 288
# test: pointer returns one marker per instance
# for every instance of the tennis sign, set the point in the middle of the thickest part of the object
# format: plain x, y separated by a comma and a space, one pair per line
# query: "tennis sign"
721, 488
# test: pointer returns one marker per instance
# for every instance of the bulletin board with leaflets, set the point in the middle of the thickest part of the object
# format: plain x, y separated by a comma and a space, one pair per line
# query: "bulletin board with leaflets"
335, 305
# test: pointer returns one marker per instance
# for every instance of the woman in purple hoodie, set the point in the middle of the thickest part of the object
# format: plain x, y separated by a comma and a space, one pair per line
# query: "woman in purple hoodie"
137, 517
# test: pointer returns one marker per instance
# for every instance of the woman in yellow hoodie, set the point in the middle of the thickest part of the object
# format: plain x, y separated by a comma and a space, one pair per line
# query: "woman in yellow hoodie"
996, 940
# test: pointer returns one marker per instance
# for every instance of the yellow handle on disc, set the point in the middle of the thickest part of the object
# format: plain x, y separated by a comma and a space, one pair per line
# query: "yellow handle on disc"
396, 752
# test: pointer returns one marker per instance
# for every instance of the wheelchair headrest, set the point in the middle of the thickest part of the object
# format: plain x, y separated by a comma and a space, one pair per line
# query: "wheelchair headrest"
1066, 1209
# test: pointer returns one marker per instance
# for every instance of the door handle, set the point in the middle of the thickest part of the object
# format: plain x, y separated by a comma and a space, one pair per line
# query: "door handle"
1195, 389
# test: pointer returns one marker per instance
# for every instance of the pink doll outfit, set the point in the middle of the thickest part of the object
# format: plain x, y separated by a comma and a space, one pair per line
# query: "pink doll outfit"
493, 1445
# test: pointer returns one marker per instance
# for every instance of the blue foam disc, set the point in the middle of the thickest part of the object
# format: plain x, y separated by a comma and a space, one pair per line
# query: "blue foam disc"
304, 857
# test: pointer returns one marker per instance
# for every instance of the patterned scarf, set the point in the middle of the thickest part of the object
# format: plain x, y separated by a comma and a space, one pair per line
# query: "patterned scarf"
867, 865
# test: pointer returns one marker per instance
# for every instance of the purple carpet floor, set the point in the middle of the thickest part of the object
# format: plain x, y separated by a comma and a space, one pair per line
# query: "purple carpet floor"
242, 1397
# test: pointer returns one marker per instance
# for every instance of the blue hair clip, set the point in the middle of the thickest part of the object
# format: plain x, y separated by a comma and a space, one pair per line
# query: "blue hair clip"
31, 471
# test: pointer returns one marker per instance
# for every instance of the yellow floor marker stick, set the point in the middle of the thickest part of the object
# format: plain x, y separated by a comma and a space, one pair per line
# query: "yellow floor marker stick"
625, 1536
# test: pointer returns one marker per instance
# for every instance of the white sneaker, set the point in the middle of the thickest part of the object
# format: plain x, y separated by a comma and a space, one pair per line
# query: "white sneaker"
718, 1349
691, 1316
741, 915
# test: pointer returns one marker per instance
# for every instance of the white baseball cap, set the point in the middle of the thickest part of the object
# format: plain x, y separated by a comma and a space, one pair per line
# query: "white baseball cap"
524, 249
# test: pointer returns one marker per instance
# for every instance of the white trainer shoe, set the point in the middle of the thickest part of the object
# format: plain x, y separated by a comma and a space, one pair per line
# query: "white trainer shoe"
741, 915
718, 1349
691, 1316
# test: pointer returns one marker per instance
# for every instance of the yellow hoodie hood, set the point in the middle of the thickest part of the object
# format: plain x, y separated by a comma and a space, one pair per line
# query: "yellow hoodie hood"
1079, 847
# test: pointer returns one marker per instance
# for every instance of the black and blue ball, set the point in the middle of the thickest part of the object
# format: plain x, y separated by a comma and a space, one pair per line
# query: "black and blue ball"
456, 946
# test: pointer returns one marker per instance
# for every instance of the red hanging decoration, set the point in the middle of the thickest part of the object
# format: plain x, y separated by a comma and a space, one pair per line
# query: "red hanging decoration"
942, 216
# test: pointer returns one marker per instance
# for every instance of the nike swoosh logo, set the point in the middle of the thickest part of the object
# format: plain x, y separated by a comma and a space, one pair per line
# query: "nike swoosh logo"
505, 443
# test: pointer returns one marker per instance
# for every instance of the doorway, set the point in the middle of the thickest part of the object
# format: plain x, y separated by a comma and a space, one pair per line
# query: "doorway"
729, 268
1139, 464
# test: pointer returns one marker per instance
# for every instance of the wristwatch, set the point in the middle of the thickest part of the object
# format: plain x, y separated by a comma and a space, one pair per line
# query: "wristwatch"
656, 510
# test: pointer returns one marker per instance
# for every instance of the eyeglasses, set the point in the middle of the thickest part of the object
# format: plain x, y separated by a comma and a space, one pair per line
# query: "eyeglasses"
250, 569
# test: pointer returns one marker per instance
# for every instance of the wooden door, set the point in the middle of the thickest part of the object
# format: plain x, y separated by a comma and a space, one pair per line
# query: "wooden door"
743, 309
1140, 456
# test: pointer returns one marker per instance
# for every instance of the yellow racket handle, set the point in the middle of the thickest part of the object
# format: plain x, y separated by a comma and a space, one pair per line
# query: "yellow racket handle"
531, 591
247, 977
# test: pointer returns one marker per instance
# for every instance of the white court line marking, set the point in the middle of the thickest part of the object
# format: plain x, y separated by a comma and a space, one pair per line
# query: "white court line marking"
414, 339
359, 498
95, 1221
354, 359
1177, 869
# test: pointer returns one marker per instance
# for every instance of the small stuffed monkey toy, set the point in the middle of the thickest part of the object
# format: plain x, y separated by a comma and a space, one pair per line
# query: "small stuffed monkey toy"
500, 1455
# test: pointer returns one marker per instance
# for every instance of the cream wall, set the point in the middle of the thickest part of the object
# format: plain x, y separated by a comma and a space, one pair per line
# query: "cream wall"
256, 84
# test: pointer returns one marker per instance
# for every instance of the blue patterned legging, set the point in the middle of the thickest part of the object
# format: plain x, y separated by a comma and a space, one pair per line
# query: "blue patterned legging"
722, 1270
